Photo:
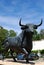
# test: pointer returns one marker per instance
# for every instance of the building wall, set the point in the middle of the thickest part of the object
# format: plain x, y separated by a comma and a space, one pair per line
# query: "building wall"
38, 45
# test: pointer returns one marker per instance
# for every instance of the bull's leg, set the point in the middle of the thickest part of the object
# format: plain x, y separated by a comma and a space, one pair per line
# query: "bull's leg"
4, 52
25, 51
26, 54
12, 55
27, 59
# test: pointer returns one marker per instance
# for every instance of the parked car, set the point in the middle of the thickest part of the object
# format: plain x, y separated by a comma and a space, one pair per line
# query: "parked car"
20, 56
33, 56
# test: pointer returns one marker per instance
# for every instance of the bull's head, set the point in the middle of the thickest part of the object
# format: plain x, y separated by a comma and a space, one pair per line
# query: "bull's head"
29, 27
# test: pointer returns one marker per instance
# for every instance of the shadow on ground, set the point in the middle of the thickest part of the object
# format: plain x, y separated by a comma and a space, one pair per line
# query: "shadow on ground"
22, 61
1, 64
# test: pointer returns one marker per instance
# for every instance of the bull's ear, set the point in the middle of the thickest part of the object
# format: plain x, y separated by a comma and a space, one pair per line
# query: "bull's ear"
24, 27
35, 27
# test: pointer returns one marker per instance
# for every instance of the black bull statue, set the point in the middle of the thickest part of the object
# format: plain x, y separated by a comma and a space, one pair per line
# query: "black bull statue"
21, 43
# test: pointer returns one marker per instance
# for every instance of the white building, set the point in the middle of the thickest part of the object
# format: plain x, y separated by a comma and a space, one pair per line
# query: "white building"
38, 45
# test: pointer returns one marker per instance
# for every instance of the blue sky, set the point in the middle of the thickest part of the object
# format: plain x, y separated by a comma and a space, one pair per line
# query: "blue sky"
31, 11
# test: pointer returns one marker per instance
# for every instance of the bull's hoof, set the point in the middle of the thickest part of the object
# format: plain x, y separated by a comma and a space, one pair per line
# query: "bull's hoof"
3, 58
15, 60
27, 61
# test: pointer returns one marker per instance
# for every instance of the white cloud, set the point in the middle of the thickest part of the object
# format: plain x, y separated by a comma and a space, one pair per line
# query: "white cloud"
9, 20
10, 23
13, 22
16, 9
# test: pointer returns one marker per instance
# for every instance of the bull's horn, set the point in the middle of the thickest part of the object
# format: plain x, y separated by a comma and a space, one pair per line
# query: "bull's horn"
40, 23
20, 23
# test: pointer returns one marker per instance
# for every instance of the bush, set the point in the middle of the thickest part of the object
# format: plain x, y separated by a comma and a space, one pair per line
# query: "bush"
35, 51
42, 51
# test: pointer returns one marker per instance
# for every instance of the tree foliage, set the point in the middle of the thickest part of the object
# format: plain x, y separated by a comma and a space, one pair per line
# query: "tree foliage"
4, 33
36, 35
42, 51
12, 33
42, 33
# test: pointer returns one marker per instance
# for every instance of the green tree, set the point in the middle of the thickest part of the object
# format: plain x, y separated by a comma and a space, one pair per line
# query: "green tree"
42, 51
3, 35
12, 33
42, 33
36, 35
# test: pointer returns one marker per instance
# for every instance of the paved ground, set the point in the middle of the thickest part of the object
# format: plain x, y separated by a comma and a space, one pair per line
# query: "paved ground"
11, 62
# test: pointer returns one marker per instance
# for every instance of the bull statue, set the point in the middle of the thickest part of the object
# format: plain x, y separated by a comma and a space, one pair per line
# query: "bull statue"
21, 43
